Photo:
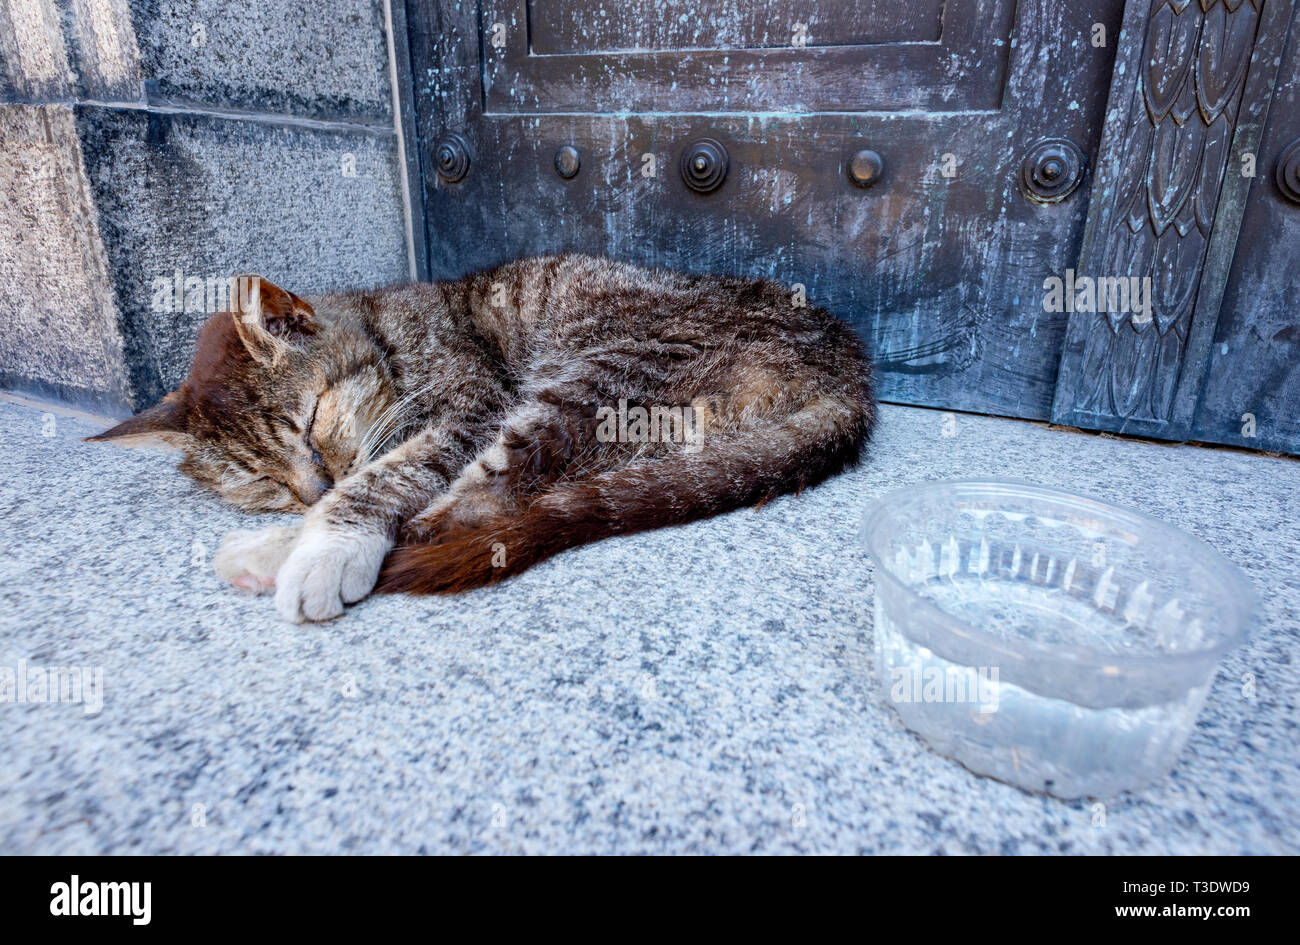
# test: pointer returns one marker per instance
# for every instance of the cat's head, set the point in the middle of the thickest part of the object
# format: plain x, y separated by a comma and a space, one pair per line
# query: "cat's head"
276, 406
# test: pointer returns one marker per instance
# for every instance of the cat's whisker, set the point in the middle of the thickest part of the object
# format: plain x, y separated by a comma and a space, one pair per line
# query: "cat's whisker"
389, 422
383, 419
375, 432
409, 411
392, 418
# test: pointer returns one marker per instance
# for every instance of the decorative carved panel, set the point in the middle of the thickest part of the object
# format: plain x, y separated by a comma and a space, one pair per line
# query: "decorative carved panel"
1171, 178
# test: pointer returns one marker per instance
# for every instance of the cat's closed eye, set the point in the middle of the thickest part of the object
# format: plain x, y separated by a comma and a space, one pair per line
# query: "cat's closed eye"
256, 491
267, 488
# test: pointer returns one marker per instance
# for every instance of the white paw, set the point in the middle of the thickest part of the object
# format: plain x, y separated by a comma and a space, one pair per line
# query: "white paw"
249, 560
327, 569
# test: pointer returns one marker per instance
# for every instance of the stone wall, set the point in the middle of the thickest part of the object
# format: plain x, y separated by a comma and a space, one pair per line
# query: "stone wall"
146, 143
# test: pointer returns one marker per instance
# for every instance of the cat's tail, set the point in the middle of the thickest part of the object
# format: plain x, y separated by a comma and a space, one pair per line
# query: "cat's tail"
742, 467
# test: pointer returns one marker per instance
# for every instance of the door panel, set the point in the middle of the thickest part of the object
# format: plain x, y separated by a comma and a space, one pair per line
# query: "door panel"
856, 55
1181, 157
1251, 395
557, 26
939, 264
1186, 183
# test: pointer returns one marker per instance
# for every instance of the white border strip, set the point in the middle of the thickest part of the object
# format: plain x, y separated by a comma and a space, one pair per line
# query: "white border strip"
401, 140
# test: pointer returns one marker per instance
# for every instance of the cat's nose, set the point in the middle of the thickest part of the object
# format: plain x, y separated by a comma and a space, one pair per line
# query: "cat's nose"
314, 485
318, 480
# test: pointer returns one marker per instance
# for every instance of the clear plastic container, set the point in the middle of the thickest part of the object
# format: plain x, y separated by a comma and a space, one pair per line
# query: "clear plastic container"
1045, 639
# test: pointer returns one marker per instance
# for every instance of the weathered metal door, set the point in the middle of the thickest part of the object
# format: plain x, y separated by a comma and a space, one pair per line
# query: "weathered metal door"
1198, 192
923, 168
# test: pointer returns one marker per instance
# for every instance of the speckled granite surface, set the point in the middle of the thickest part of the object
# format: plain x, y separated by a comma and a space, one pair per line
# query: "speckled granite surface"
705, 689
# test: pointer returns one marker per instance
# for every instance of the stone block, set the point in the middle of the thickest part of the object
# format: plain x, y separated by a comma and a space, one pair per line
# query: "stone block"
327, 59
310, 208
59, 325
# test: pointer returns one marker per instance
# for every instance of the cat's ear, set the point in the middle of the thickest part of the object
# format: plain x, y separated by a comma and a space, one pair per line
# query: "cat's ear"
268, 318
164, 422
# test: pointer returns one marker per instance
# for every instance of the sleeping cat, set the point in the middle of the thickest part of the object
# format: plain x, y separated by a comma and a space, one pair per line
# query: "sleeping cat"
442, 437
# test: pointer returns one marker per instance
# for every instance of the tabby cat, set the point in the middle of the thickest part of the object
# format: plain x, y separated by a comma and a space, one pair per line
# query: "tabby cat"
444, 436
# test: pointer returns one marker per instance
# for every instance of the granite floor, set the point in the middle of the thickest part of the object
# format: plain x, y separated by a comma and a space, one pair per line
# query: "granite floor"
707, 689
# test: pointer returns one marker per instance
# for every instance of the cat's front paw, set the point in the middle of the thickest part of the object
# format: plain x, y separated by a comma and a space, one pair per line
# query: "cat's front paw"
249, 560
329, 567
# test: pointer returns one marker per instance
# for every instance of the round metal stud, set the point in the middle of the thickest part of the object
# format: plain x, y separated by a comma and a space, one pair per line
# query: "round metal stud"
704, 165
1288, 171
865, 168
1051, 170
567, 162
451, 157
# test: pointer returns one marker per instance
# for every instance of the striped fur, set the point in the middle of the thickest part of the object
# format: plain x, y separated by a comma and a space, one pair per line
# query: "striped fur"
465, 429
